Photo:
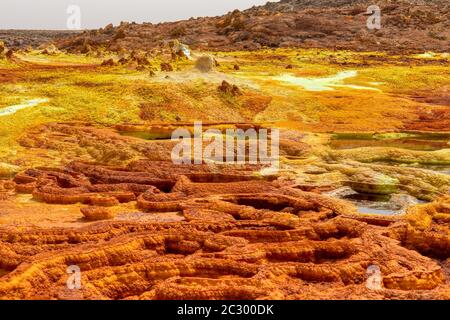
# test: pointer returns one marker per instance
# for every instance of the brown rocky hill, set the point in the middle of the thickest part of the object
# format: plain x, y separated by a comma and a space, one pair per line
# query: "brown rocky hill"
32, 38
406, 25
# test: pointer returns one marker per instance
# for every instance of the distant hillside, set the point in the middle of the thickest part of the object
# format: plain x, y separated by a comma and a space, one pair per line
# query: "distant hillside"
408, 25
33, 38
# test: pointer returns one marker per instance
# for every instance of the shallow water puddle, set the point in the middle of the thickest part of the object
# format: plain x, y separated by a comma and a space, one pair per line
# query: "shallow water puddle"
410, 144
421, 142
326, 83
374, 204
378, 204
28, 104
145, 135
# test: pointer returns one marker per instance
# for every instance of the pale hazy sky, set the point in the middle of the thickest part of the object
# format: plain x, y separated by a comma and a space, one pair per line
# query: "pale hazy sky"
51, 14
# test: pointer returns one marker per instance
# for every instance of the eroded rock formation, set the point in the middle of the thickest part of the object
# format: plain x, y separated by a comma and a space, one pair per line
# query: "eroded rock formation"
240, 238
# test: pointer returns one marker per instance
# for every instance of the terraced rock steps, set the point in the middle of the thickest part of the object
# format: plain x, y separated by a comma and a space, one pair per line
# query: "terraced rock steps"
240, 239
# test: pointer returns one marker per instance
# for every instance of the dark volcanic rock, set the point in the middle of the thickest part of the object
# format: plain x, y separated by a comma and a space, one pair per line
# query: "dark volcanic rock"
228, 88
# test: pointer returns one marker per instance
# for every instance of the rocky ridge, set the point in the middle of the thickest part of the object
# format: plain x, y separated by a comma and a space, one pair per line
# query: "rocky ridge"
407, 25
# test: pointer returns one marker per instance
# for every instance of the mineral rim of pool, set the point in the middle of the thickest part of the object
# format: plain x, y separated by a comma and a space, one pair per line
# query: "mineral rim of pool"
27, 104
